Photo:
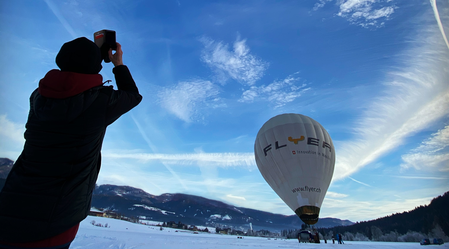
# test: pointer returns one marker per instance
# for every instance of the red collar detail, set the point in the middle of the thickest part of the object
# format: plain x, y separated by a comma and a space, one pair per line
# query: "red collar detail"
59, 85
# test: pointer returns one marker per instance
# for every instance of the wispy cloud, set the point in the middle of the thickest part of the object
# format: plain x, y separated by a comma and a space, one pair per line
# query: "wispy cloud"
431, 154
320, 4
212, 159
423, 177
236, 197
11, 137
279, 92
186, 99
415, 97
367, 210
335, 195
237, 64
11, 131
366, 13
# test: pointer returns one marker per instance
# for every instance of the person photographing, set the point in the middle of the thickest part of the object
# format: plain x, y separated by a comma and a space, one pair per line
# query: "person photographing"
49, 189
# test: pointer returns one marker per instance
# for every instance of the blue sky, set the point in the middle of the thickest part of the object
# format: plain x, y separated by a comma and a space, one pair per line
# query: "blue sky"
374, 73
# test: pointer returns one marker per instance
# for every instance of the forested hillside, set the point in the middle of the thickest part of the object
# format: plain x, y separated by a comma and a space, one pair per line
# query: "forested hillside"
424, 221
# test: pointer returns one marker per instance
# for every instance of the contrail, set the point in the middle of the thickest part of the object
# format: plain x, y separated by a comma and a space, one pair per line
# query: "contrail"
437, 17
154, 148
61, 18
359, 182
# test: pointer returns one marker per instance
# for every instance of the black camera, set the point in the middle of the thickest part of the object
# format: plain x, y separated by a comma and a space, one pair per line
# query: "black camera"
105, 40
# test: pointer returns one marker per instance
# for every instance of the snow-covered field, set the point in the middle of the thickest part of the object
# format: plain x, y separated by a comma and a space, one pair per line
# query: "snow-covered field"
126, 235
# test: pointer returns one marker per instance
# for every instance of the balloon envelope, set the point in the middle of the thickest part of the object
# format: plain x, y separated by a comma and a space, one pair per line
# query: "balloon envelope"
296, 156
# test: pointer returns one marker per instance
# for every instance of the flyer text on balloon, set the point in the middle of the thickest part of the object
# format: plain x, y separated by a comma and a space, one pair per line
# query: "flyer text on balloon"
310, 141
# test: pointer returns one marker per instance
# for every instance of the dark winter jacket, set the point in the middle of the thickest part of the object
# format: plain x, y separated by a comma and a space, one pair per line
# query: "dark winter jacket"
49, 188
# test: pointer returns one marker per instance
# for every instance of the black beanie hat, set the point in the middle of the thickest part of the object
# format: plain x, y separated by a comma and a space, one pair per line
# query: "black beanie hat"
80, 56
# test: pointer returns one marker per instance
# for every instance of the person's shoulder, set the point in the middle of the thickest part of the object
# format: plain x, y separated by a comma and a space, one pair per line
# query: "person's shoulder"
102, 88
108, 90
95, 92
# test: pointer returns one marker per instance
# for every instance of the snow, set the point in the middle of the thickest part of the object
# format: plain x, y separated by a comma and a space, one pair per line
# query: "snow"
238, 210
215, 216
125, 235
218, 216
227, 217
153, 209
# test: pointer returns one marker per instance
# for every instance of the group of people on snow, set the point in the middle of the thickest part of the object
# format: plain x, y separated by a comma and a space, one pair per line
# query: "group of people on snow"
339, 239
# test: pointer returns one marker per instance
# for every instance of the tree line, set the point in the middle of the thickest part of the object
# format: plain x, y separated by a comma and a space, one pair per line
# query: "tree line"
429, 221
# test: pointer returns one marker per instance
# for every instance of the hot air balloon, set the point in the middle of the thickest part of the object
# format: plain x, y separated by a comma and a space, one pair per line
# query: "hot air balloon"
296, 156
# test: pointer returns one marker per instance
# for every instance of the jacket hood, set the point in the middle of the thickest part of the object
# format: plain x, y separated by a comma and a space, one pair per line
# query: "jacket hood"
63, 96
59, 85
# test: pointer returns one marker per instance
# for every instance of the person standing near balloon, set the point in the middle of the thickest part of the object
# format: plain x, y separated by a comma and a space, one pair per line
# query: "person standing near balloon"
317, 237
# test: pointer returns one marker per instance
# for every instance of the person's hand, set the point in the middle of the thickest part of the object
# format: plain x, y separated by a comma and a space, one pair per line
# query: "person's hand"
116, 58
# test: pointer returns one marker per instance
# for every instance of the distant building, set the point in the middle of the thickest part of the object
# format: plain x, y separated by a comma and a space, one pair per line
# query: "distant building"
96, 212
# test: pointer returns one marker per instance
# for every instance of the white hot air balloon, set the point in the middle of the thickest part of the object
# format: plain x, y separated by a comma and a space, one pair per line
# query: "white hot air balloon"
296, 156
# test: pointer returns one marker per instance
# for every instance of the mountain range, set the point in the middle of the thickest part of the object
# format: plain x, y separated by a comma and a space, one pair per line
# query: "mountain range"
5, 167
187, 209
194, 210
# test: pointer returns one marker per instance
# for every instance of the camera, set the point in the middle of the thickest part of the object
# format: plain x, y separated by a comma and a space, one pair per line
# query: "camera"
105, 40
